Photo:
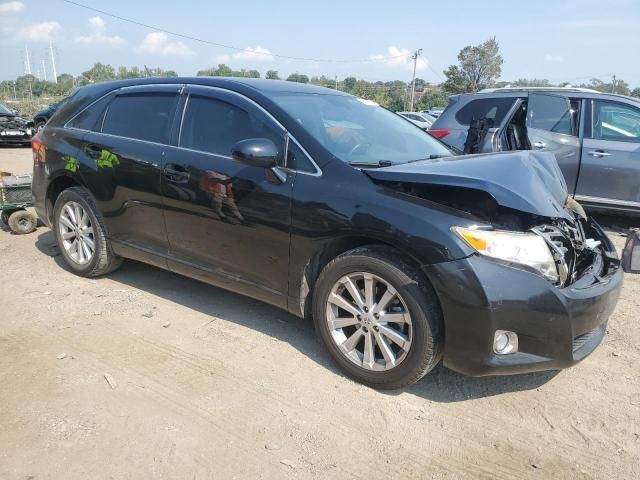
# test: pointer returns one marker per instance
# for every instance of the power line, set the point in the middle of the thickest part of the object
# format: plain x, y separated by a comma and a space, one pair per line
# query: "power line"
223, 45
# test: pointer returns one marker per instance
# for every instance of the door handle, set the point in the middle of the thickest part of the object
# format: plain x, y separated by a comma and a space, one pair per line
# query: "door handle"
93, 151
599, 153
539, 145
176, 173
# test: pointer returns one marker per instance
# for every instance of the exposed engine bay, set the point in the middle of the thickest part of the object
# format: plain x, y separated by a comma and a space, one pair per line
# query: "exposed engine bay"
576, 242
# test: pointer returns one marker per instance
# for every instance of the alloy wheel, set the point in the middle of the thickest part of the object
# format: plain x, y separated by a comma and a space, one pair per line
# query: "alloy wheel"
369, 321
76, 232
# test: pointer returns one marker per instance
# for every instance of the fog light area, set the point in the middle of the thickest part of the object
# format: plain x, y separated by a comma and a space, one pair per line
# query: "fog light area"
505, 342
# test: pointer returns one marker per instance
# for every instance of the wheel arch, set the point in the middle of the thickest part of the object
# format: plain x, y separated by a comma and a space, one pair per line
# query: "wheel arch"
58, 185
330, 250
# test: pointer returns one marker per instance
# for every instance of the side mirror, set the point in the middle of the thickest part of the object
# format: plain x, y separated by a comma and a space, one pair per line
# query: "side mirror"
631, 252
258, 152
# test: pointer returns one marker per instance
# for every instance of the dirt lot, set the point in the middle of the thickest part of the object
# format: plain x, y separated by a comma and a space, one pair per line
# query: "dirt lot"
208, 384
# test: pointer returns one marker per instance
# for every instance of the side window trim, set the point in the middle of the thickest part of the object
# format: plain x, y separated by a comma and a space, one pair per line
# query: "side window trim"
291, 138
99, 99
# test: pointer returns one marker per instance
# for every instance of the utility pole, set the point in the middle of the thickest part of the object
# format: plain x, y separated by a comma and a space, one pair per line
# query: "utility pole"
53, 63
414, 57
613, 84
27, 61
44, 70
336, 77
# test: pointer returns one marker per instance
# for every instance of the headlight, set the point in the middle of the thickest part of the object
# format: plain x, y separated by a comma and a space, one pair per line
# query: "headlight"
516, 247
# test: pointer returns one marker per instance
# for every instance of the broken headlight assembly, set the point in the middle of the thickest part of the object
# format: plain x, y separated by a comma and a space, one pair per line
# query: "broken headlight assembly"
523, 248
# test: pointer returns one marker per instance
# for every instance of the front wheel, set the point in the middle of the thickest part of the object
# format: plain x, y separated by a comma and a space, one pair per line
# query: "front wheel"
81, 234
378, 317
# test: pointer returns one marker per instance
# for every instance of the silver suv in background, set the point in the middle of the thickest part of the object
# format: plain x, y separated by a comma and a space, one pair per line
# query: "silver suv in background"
595, 136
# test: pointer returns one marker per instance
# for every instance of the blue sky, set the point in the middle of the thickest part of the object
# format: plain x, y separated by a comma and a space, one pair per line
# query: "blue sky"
562, 40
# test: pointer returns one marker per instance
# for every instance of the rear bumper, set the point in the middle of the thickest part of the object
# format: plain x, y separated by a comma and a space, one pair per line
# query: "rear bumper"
556, 327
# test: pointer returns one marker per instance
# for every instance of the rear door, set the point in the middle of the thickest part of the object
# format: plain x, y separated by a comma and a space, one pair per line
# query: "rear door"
126, 152
610, 167
552, 125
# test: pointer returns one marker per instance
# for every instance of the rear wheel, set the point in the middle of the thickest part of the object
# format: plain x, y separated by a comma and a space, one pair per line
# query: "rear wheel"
22, 222
378, 317
81, 234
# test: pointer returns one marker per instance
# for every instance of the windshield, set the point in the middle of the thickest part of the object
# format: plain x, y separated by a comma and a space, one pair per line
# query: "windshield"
360, 131
5, 111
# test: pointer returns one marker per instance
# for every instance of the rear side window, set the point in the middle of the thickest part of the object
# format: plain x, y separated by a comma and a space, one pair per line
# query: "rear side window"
551, 113
493, 108
140, 116
214, 126
91, 117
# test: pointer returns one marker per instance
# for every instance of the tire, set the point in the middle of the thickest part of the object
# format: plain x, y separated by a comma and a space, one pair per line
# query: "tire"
4, 216
415, 297
93, 236
22, 222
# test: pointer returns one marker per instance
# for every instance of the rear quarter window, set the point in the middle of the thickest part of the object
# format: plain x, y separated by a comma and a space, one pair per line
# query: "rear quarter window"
493, 108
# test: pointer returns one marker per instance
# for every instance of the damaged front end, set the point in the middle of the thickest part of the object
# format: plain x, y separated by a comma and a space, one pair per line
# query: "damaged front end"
14, 130
524, 214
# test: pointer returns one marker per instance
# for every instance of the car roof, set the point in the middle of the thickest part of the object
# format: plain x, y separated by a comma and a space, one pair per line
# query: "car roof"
264, 86
568, 92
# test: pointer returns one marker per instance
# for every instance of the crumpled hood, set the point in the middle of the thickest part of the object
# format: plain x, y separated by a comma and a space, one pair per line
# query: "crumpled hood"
528, 181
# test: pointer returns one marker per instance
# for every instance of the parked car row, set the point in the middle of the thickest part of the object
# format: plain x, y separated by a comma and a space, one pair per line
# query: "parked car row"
594, 136
422, 120
402, 252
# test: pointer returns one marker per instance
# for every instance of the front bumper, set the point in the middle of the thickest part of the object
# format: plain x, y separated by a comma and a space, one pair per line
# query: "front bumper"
556, 327
22, 139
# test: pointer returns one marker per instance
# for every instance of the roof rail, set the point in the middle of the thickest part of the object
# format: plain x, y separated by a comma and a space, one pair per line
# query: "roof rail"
542, 89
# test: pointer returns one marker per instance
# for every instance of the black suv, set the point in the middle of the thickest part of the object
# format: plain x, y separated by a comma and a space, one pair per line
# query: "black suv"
330, 206
595, 136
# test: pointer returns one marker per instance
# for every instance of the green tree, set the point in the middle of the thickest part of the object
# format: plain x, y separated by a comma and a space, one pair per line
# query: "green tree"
100, 73
272, 75
635, 92
431, 99
349, 84
296, 77
478, 67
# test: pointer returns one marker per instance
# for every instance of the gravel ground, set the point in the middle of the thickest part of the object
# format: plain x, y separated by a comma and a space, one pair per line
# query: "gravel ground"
145, 374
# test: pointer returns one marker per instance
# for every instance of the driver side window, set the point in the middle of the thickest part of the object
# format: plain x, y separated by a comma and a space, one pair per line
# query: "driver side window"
215, 126
615, 121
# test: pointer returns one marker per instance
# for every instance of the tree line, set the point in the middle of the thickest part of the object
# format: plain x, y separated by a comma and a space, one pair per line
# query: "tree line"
478, 67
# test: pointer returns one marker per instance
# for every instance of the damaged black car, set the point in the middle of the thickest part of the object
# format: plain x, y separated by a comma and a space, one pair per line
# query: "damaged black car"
333, 208
13, 129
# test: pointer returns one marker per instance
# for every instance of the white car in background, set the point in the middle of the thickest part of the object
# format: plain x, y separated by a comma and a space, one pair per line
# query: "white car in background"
422, 120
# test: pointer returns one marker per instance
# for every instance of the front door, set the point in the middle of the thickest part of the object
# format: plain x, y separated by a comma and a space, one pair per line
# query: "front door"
227, 223
552, 126
610, 169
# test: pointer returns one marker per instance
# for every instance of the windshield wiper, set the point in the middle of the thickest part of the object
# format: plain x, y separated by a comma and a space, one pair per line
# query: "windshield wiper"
430, 157
378, 164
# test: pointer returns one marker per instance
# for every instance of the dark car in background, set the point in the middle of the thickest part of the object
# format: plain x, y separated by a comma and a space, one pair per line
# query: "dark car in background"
13, 129
594, 136
42, 116
331, 207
